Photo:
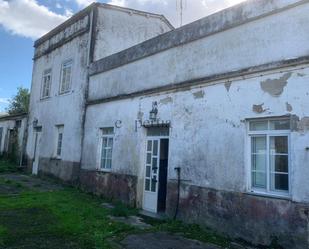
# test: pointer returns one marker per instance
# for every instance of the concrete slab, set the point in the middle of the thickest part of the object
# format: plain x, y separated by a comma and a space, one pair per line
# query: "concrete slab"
163, 240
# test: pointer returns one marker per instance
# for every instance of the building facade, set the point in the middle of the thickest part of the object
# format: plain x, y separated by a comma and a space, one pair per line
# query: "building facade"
13, 137
209, 121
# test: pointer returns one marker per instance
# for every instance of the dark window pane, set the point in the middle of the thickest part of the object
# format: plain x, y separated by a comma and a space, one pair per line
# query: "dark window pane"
149, 145
153, 184
148, 171
279, 144
148, 158
280, 182
279, 163
155, 147
147, 184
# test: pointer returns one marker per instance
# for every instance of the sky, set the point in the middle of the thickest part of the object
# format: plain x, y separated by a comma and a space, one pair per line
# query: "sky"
24, 21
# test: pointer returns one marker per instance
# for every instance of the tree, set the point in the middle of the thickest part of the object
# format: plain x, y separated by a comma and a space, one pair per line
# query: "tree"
20, 102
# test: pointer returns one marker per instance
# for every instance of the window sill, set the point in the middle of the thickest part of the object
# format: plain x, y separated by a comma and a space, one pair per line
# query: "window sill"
104, 170
56, 158
65, 93
45, 98
270, 195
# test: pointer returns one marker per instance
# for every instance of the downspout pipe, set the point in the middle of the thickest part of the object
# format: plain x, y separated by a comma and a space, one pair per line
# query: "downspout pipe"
178, 170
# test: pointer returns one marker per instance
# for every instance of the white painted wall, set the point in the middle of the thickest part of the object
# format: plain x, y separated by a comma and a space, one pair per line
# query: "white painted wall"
64, 109
281, 36
208, 135
119, 28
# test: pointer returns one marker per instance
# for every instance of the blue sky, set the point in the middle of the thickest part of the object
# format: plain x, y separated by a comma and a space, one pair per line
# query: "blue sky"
23, 21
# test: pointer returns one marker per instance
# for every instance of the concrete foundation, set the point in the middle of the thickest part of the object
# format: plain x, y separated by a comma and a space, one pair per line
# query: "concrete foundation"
257, 219
109, 185
63, 170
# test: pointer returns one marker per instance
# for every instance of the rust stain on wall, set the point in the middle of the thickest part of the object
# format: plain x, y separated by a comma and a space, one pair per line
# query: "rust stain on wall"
275, 87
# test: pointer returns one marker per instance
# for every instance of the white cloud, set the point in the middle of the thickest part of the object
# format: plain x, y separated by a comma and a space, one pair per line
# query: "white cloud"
28, 18
4, 100
84, 3
193, 9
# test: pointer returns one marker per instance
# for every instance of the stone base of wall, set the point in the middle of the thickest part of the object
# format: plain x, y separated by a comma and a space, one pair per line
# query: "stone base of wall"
239, 215
63, 170
109, 185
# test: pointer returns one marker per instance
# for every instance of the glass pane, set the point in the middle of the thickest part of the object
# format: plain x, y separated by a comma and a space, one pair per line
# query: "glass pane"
158, 131
279, 182
108, 163
279, 145
109, 153
258, 125
148, 171
279, 124
155, 147
259, 162
108, 131
279, 163
258, 145
110, 142
104, 142
155, 165
153, 184
149, 146
148, 158
147, 184
258, 180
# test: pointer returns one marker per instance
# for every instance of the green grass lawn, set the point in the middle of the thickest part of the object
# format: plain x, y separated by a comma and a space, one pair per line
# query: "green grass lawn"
6, 166
70, 219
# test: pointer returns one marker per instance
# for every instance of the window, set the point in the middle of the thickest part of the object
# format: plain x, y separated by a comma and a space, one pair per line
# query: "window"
66, 74
46, 84
269, 156
59, 143
107, 147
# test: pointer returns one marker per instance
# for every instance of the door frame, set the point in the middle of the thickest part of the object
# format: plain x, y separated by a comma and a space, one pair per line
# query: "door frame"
152, 138
37, 132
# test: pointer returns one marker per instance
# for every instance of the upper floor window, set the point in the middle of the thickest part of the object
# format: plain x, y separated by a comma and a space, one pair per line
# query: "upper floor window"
46, 84
66, 77
107, 147
59, 140
269, 156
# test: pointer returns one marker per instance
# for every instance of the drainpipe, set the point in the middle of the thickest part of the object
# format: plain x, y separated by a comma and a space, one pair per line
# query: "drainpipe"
178, 169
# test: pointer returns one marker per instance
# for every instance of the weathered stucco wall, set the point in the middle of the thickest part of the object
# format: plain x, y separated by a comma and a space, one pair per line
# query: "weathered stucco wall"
209, 142
281, 36
212, 118
66, 109
119, 28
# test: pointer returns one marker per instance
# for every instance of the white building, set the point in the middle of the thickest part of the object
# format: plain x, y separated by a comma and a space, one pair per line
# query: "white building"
218, 108
13, 136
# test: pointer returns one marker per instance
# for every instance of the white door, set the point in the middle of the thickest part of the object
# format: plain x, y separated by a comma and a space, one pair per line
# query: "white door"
35, 164
152, 175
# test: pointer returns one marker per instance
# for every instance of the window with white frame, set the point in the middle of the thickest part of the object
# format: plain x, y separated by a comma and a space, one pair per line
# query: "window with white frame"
107, 147
46, 84
59, 141
269, 156
66, 77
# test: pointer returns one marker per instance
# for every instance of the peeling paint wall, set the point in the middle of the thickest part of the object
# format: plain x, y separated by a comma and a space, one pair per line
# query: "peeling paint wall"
234, 49
212, 119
